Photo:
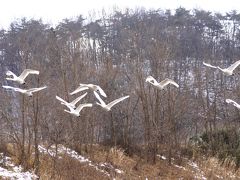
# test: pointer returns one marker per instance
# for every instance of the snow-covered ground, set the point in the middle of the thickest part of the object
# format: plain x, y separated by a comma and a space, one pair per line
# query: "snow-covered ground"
12, 171
198, 173
161, 157
73, 154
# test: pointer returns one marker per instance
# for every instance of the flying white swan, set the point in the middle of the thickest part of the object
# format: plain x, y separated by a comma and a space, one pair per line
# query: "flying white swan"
20, 79
108, 106
162, 84
93, 87
28, 92
73, 103
76, 112
229, 101
227, 71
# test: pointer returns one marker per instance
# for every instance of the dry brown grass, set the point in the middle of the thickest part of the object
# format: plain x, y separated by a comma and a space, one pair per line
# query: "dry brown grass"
67, 168
13, 151
133, 167
116, 155
215, 169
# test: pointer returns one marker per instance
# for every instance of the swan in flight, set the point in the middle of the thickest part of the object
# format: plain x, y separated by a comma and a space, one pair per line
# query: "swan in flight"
162, 84
229, 101
93, 87
20, 79
73, 103
76, 112
108, 106
227, 71
28, 92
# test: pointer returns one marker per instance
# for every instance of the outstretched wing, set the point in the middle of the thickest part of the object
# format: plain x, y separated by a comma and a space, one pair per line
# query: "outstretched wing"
229, 101
9, 73
62, 100
80, 88
13, 88
36, 89
101, 91
81, 84
152, 81
26, 72
8, 87
234, 65
209, 65
167, 81
99, 98
117, 101
75, 101
94, 88
150, 78
81, 106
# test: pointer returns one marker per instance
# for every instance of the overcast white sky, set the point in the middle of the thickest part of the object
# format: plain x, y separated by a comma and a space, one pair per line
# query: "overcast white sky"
53, 11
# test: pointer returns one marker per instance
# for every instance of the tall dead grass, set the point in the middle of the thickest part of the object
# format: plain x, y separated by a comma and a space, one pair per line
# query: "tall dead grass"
220, 170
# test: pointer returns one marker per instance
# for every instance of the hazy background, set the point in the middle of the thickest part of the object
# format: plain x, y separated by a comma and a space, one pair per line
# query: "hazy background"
54, 11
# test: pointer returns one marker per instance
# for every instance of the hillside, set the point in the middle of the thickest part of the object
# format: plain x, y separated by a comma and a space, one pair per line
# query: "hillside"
112, 163
133, 94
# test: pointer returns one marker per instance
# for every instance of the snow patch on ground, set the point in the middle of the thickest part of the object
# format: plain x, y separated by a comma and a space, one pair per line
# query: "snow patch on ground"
12, 171
220, 177
46, 151
73, 154
180, 167
161, 157
198, 171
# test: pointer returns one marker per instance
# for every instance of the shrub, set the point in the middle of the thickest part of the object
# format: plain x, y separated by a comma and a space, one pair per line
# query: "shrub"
223, 143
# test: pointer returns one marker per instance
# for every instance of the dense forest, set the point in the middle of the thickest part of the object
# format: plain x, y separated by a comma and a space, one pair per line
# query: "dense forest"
118, 51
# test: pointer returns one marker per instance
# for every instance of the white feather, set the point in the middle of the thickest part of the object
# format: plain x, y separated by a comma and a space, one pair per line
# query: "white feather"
92, 87
28, 92
227, 71
162, 84
229, 101
20, 79
108, 106
73, 103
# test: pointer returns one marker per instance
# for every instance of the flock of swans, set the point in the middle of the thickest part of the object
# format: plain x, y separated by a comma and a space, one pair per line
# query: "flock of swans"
21, 80
97, 90
72, 106
227, 71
